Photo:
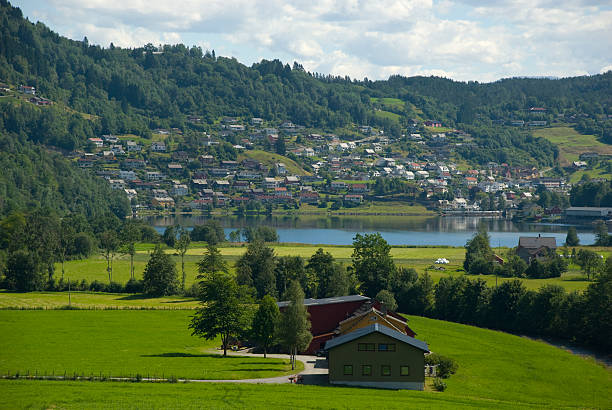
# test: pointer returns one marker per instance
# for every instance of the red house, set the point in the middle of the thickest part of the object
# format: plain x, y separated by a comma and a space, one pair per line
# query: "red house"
326, 315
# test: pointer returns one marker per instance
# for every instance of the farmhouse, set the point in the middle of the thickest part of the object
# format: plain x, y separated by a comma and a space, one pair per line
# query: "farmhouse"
530, 248
377, 356
329, 315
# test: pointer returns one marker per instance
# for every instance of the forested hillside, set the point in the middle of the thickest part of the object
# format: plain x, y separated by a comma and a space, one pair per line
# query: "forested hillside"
99, 90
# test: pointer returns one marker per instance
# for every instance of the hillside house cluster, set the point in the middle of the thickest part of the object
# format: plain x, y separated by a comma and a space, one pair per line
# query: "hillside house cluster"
207, 181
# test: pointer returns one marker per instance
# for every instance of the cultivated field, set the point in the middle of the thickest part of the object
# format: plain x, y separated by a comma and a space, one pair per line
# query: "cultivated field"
496, 370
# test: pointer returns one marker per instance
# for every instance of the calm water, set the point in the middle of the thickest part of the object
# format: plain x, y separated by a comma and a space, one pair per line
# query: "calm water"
397, 230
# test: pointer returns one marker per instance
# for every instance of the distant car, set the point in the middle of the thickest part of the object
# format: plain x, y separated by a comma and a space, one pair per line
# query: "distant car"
321, 353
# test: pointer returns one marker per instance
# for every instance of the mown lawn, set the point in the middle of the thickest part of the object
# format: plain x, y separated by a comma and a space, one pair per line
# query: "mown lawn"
118, 343
496, 370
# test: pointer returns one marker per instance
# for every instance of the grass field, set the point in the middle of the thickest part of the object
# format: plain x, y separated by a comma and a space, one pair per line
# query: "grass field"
268, 159
496, 370
420, 259
571, 143
91, 300
118, 343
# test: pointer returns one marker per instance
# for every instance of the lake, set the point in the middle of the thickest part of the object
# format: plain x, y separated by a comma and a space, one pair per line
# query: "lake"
397, 230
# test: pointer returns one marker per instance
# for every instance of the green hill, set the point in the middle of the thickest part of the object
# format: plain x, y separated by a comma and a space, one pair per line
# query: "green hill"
496, 370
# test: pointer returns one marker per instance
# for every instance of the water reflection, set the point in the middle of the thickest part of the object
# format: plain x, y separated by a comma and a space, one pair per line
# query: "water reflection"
397, 230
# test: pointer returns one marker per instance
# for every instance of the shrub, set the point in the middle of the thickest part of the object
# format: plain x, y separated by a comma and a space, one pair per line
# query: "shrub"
193, 291
446, 365
97, 286
133, 286
115, 287
84, 285
439, 384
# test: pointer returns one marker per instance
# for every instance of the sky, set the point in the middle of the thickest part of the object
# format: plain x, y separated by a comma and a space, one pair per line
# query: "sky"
459, 39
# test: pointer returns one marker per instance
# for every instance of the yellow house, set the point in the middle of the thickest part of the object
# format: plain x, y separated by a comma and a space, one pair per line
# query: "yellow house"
370, 317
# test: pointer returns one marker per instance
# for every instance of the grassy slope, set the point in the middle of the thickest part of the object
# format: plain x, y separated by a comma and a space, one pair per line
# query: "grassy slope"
571, 143
496, 370
119, 343
269, 159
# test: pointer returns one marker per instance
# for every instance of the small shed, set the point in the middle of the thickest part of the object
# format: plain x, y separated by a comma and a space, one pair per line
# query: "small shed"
377, 356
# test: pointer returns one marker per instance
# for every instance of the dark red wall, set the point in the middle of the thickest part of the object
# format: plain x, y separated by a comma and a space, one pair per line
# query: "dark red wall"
325, 318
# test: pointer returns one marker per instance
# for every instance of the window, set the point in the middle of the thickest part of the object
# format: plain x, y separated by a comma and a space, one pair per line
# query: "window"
366, 347
385, 370
366, 370
348, 369
404, 370
386, 347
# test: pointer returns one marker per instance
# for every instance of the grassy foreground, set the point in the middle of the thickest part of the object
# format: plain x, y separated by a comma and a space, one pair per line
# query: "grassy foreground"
496, 370
119, 344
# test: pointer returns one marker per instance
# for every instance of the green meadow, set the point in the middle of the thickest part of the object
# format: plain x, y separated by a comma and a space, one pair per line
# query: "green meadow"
571, 143
92, 300
118, 343
421, 259
496, 370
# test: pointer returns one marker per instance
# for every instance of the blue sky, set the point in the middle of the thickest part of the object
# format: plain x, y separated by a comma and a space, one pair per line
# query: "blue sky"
463, 39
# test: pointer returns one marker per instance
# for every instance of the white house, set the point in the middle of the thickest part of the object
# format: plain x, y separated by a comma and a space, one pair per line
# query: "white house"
158, 147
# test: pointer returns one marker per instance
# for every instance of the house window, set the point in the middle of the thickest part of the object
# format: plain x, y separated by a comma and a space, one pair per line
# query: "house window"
386, 347
366, 347
348, 370
366, 370
404, 370
385, 370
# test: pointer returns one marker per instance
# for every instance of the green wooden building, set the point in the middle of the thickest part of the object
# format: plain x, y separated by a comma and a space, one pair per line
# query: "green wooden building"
377, 356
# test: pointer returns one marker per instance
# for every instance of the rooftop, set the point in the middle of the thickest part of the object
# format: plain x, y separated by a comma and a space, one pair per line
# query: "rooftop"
376, 327
327, 301
537, 242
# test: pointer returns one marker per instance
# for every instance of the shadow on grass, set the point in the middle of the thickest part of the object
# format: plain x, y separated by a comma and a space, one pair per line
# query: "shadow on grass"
140, 296
246, 360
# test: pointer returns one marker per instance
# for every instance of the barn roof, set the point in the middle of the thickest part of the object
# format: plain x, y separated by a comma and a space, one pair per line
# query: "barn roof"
327, 301
376, 327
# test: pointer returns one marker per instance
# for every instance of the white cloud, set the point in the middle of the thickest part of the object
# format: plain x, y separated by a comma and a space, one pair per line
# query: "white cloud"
461, 39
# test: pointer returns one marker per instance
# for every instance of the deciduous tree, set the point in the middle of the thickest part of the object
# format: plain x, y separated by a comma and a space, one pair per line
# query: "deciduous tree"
225, 309
265, 323
160, 277
294, 326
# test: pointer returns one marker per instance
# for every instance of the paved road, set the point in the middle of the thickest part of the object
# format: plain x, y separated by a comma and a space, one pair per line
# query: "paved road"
315, 370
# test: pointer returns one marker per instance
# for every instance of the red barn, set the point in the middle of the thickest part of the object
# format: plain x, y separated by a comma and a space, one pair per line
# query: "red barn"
326, 315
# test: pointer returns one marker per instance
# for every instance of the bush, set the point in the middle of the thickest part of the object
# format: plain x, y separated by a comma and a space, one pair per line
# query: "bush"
133, 286
446, 365
115, 287
193, 291
97, 286
439, 384
83, 285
